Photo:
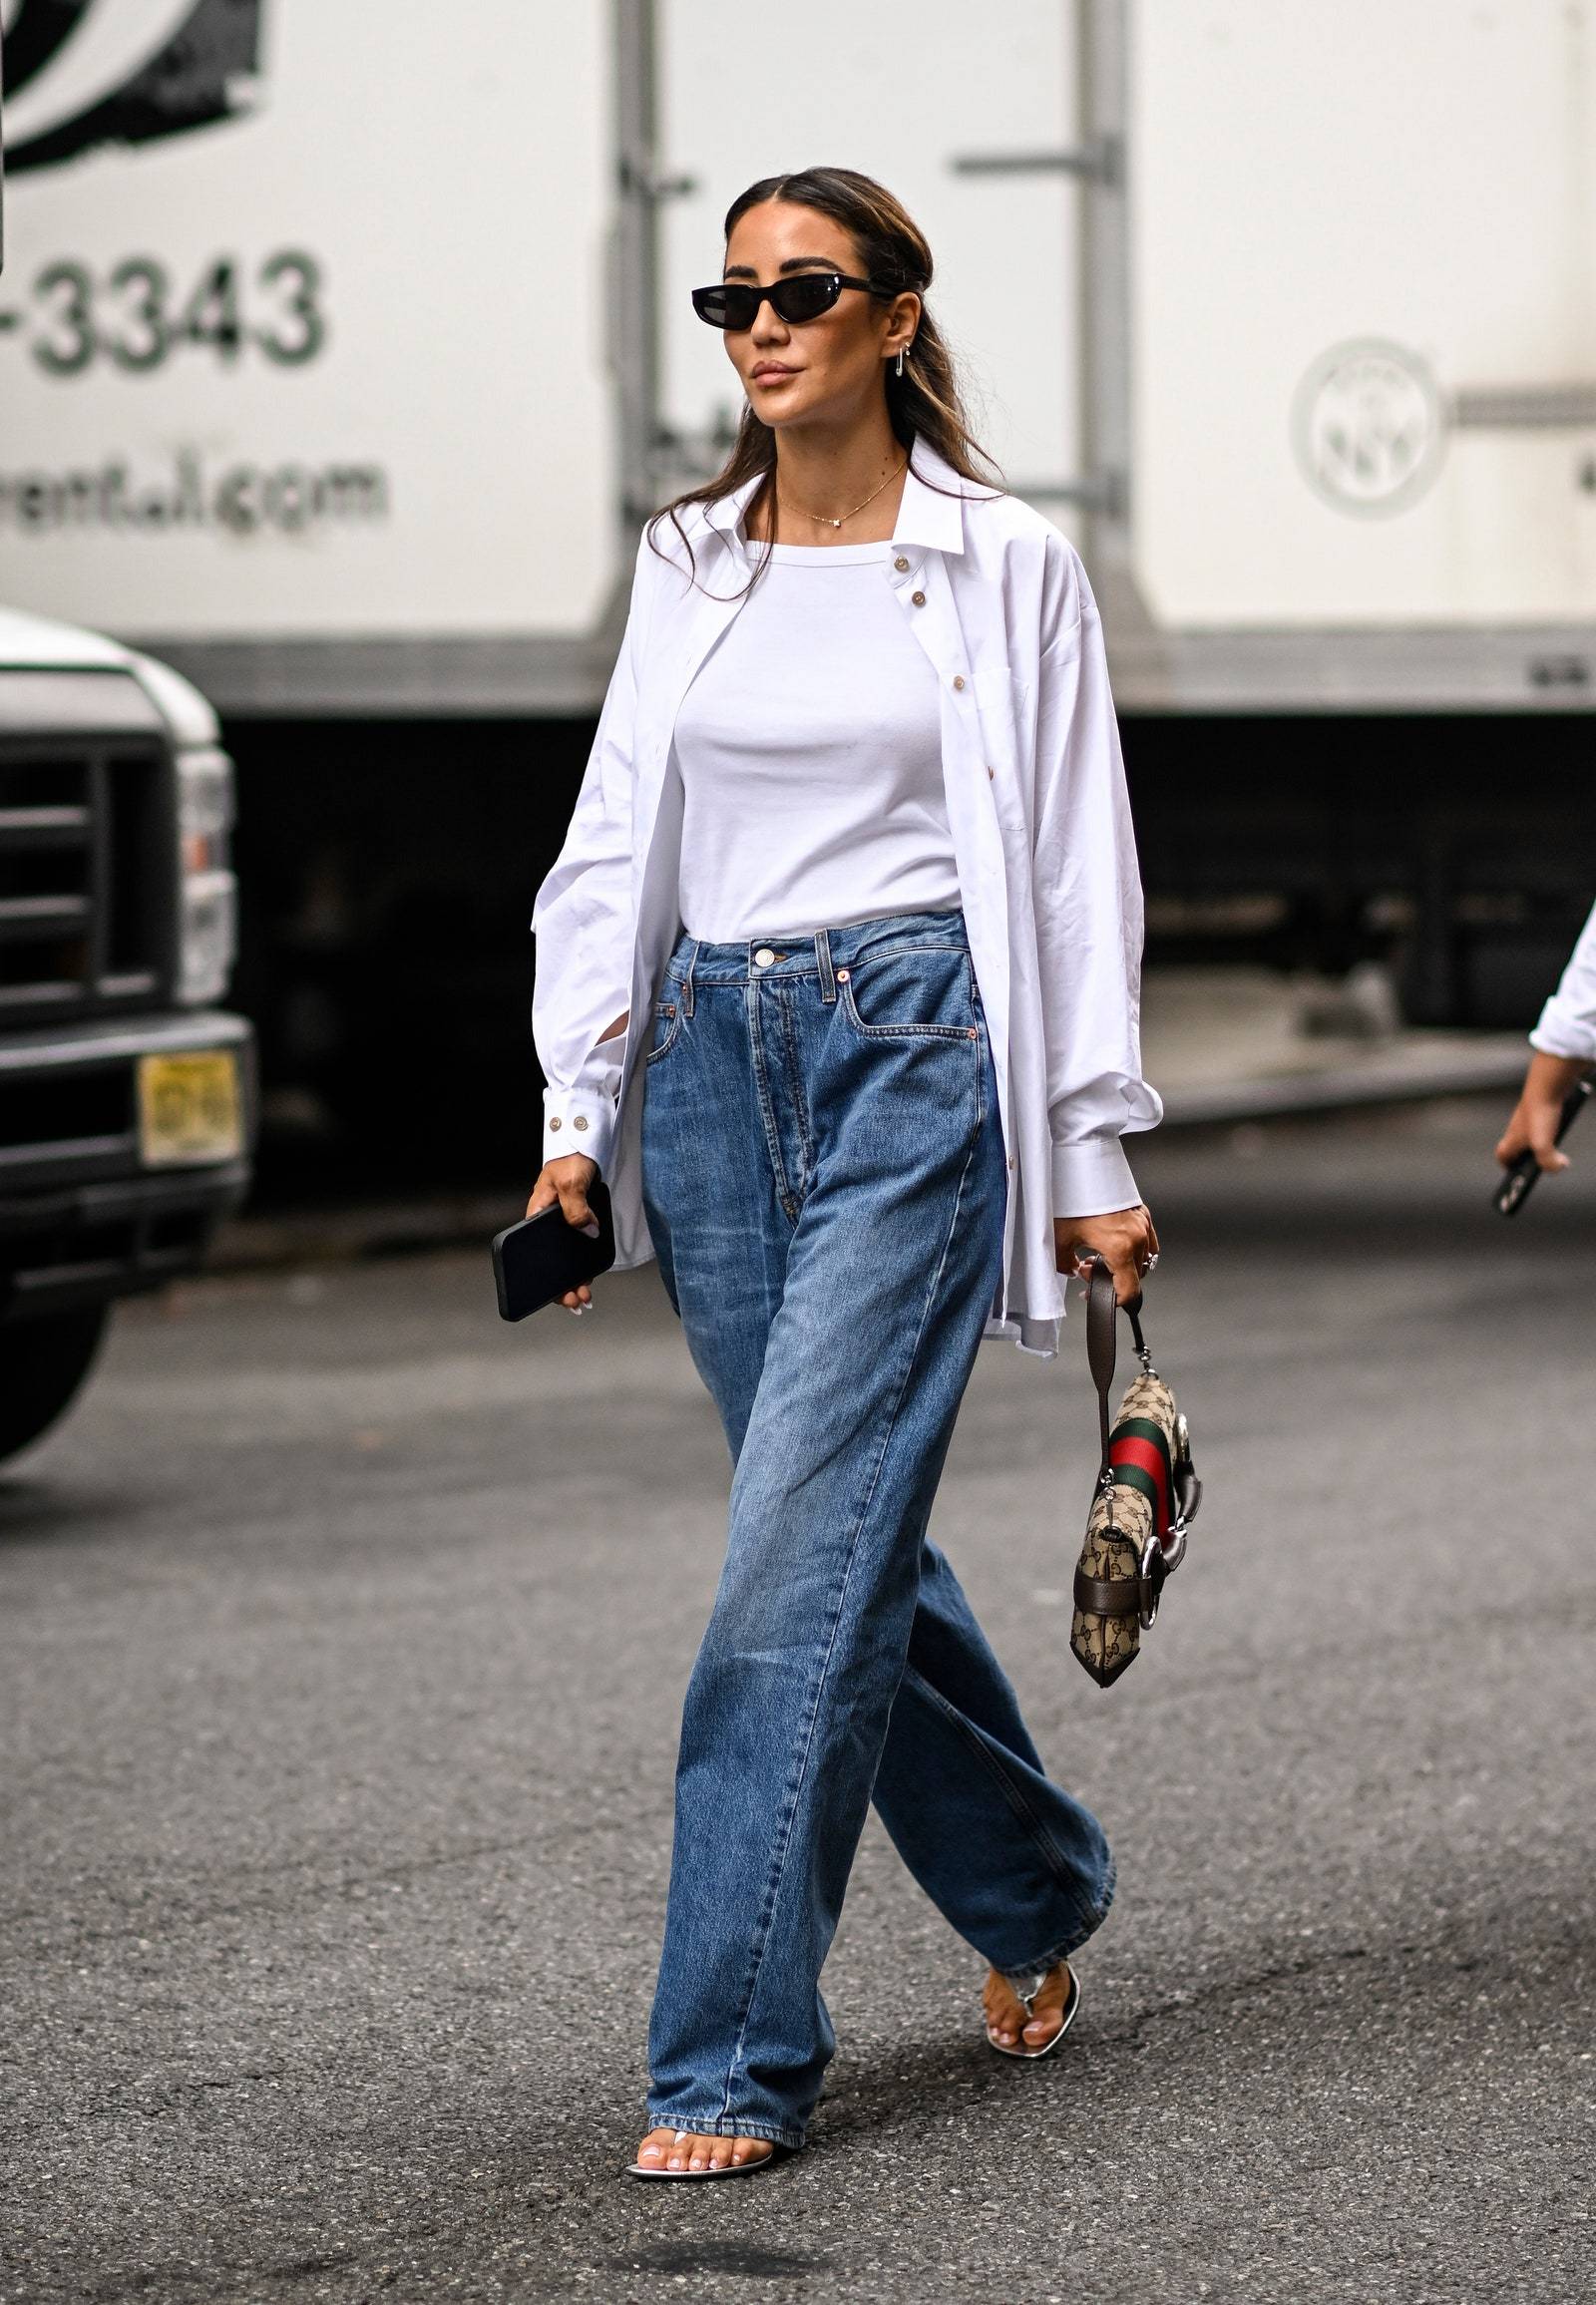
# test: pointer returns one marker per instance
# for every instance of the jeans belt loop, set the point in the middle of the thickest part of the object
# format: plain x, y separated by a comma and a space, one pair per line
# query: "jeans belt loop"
828, 980
686, 982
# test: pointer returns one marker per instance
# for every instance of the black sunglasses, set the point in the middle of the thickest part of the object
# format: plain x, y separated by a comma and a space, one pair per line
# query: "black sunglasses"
734, 304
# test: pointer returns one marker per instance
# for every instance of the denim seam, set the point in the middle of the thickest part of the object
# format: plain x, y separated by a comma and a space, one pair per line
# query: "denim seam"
828, 974
784, 1841
767, 1111
1063, 1947
1014, 1793
981, 1054
800, 1102
874, 952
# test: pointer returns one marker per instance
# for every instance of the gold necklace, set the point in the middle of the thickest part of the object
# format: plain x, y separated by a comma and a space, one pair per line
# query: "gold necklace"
825, 518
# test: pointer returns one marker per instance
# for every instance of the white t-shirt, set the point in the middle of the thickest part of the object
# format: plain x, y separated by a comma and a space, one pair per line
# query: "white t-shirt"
810, 754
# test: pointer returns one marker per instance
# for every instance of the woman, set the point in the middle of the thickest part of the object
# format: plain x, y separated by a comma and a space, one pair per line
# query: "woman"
854, 842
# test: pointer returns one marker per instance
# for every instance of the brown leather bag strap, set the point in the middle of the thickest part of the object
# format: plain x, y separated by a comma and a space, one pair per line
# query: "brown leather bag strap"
1102, 1341
1108, 1595
1123, 1596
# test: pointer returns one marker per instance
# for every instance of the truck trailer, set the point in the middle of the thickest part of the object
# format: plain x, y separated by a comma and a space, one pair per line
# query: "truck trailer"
339, 372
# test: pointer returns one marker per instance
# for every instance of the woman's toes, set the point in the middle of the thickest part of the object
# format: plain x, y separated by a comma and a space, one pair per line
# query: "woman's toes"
721, 2154
699, 2159
1047, 2013
750, 2149
1004, 2012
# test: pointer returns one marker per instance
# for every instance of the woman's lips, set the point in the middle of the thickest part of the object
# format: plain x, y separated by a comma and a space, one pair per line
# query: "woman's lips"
773, 375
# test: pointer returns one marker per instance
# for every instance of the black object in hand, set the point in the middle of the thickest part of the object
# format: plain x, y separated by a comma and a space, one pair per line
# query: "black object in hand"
543, 1259
1517, 1186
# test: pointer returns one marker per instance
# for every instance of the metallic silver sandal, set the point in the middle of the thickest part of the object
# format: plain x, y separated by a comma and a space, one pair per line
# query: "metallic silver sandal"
1027, 2003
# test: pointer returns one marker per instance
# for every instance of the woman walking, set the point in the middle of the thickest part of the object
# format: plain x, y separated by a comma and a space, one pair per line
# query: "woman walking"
836, 988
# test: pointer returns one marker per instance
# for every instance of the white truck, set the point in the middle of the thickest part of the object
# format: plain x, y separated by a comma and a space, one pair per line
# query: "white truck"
126, 1094
338, 368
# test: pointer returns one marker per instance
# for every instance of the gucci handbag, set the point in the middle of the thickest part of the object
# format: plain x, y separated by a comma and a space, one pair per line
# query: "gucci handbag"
1146, 1498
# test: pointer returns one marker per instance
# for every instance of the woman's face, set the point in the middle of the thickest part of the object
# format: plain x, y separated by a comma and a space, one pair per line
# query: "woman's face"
826, 371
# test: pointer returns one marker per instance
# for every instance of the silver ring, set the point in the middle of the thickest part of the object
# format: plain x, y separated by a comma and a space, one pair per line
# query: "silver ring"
1151, 1262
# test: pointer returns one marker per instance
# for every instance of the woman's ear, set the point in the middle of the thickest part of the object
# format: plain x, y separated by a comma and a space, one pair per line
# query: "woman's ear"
903, 322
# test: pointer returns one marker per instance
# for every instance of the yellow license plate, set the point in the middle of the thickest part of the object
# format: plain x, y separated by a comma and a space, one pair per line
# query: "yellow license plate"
191, 1108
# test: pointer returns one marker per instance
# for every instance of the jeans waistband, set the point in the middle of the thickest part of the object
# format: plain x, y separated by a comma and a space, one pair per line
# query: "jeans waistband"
818, 953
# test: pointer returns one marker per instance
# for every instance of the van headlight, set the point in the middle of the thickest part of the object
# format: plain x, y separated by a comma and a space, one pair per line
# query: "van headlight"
208, 892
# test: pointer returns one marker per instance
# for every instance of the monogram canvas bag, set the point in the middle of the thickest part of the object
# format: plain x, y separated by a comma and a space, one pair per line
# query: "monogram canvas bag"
1146, 1498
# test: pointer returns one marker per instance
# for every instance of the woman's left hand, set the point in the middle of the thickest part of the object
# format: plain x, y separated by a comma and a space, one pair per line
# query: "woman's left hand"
1125, 1239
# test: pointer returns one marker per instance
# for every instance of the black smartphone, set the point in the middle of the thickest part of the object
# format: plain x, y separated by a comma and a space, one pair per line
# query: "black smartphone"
1517, 1186
542, 1258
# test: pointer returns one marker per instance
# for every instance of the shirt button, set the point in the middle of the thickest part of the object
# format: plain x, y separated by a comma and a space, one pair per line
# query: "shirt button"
555, 1123
1010, 1160
919, 599
991, 772
764, 957
902, 563
959, 681
581, 1120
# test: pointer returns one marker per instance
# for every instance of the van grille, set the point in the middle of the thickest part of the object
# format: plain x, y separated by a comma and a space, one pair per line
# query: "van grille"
87, 877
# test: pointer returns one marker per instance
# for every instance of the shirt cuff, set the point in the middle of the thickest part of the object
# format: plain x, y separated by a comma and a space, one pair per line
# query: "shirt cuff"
1092, 1178
1559, 1034
576, 1121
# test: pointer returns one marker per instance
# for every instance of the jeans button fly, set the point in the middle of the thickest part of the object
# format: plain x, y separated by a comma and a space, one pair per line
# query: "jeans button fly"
764, 957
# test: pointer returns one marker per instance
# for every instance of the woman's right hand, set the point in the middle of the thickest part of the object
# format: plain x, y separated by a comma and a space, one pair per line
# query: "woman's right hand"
566, 1181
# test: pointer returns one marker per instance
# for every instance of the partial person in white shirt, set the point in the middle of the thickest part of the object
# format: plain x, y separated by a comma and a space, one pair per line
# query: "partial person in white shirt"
836, 988
1564, 1042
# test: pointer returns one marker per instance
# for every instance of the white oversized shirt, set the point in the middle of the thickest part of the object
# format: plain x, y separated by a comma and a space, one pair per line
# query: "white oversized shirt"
1041, 822
1567, 1024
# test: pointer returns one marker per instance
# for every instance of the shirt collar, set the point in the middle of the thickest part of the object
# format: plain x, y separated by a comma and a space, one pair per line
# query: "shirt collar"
930, 513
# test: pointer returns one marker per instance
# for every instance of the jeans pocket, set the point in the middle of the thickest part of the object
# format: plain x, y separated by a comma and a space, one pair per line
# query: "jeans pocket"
923, 995
667, 1023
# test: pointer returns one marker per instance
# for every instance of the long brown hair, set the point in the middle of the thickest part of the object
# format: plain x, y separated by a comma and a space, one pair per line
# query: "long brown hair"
925, 403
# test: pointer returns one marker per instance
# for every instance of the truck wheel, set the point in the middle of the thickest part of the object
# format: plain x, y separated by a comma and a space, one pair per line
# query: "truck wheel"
42, 1365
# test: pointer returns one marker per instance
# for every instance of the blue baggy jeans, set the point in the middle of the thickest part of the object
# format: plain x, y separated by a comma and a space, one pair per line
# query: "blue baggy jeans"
824, 1178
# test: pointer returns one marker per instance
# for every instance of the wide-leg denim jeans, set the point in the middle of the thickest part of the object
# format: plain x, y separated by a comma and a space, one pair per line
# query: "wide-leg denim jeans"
824, 1178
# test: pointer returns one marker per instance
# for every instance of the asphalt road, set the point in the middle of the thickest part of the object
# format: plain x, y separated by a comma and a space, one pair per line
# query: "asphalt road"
342, 1633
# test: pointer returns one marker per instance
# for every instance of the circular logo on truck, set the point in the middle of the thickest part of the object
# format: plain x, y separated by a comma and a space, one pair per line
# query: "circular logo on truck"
1369, 426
